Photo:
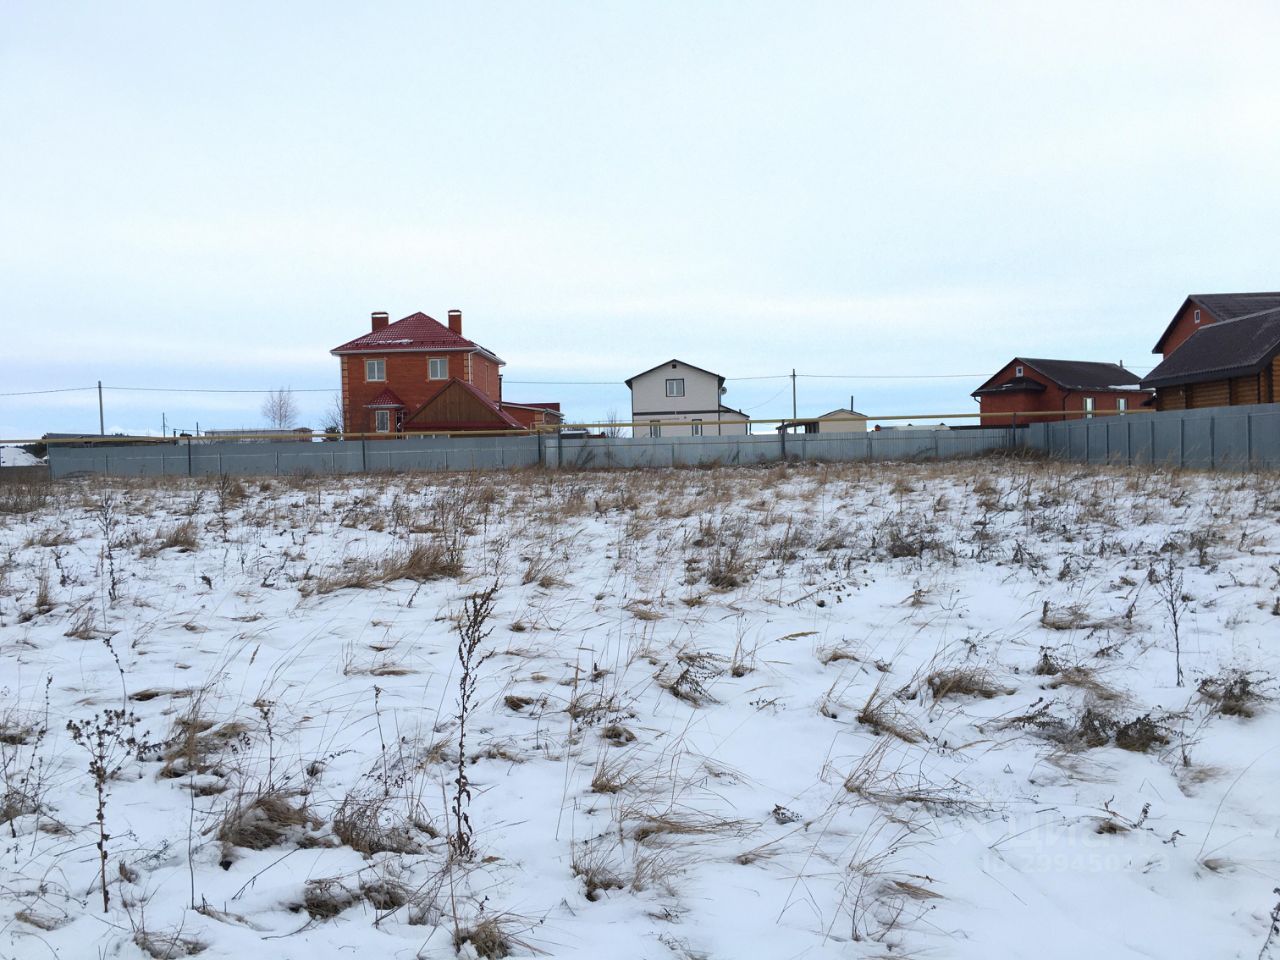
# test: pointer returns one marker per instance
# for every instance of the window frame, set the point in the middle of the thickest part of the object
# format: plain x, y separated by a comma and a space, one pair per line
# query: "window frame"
381, 363
382, 421
1122, 405
431, 363
655, 429
1090, 407
1196, 316
1019, 371
696, 427
671, 383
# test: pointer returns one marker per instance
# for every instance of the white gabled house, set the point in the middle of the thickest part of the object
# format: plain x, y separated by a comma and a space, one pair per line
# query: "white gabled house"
677, 399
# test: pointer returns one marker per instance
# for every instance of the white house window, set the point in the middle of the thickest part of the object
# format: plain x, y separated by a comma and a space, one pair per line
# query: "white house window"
1088, 406
655, 428
375, 370
697, 428
1122, 404
1017, 371
382, 421
438, 368
675, 388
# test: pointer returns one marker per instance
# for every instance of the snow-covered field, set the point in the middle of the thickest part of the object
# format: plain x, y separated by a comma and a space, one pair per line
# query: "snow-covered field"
925, 711
16, 457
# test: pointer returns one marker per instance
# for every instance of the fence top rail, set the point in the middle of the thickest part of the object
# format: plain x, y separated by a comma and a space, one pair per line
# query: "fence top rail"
554, 429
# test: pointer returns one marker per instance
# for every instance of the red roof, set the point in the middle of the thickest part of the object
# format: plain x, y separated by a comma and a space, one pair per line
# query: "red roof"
387, 398
414, 333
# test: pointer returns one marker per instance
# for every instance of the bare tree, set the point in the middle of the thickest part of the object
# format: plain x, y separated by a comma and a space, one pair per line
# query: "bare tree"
335, 415
614, 429
279, 409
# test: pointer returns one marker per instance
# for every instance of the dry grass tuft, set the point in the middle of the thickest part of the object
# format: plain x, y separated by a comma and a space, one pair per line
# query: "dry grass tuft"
265, 820
371, 825
166, 946
964, 682
1234, 693
324, 899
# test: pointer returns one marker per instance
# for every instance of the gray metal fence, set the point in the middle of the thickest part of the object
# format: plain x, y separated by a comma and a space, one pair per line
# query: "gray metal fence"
200, 458
1230, 438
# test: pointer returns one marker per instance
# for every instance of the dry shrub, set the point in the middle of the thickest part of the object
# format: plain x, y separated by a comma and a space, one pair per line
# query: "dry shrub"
872, 781
597, 872
686, 678
265, 819
1085, 679
421, 562
180, 536
167, 946
1234, 693
384, 895
324, 899
435, 559
197, 744
1141, 734
882, 716
964, 682
652, 826
492, 938
372, 825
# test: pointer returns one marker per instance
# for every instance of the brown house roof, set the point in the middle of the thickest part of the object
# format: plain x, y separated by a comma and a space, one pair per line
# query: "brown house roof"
1070, 374
1223, 306
1231, 348
492, 416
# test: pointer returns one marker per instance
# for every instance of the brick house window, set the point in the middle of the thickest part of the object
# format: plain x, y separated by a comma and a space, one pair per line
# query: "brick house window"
375, 370
1088, 406
1017, 371
1197, 315
438, 368
697, 428
382, 421
1122, 404
675, 388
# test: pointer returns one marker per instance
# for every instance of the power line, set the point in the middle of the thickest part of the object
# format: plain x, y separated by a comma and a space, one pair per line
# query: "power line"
32, 393
215, 390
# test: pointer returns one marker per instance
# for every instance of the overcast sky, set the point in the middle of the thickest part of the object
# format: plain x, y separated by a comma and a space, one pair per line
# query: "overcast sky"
215, 195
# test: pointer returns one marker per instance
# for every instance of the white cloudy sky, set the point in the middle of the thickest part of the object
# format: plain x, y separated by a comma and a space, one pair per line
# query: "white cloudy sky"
214, 196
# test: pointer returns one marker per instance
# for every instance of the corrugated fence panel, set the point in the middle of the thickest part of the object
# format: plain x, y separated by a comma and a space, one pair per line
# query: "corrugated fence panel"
1230, 438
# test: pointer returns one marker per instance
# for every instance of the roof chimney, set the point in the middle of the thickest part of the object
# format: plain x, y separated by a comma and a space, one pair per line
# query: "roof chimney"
455, 321
379, 320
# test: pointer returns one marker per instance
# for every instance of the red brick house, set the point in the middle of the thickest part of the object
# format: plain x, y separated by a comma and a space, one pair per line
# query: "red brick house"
1220, 350
1072, 389
418, 375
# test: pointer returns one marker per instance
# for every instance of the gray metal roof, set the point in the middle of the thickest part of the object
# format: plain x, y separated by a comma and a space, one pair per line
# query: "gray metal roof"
1071, 374
1230, 348
1223, 306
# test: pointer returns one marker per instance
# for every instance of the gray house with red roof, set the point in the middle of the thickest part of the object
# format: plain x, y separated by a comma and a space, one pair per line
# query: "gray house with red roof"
419, 375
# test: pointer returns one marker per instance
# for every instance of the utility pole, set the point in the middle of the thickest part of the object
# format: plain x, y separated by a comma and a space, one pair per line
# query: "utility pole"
793, 393
164, 425
102, 423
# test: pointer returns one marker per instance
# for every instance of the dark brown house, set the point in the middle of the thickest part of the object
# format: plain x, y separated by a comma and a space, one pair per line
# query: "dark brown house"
1051, 390
1224, 363
1202, 309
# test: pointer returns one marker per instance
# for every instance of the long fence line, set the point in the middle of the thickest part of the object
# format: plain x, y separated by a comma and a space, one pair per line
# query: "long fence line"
1233, 438
304, 435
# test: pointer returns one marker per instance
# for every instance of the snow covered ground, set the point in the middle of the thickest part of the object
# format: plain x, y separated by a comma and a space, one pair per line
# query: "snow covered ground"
16, 457
850, 711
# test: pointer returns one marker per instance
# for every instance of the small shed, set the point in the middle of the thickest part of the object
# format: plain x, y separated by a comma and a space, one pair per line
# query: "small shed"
840, 420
